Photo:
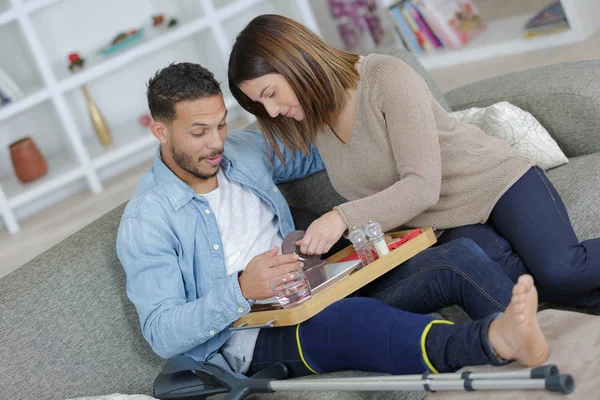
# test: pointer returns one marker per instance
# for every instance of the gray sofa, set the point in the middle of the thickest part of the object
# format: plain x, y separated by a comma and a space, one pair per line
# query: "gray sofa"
67, 328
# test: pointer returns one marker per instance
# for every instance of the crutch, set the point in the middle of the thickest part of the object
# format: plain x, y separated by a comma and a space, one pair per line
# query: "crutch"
541, 372
558, 383
176, 381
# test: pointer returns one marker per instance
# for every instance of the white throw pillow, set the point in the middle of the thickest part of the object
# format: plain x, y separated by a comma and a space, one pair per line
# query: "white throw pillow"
519, 129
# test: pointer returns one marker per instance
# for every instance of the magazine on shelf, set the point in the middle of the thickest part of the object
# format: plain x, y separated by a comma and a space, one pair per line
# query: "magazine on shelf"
541, 31
551, 19
551, 15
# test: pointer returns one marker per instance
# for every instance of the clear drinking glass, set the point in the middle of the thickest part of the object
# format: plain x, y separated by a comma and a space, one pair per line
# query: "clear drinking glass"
291, 288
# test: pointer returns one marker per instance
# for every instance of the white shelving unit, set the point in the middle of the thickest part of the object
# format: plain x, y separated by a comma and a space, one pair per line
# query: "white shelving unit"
41, 33
505, 36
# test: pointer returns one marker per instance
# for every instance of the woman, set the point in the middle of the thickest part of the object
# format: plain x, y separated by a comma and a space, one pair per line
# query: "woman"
401, 159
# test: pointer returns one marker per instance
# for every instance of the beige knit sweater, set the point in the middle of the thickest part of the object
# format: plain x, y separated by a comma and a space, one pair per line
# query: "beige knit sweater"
408, 162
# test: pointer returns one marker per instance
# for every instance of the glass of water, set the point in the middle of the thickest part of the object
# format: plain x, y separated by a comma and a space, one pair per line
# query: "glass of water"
291, 288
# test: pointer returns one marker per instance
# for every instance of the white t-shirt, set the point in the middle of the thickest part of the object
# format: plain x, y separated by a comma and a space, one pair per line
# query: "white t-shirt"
248, 227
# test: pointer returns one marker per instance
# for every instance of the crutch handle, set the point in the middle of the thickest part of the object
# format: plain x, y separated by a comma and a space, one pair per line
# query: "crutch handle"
544, 371
560, 383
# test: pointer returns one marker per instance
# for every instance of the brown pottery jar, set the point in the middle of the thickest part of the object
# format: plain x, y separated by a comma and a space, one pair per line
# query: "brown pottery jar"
27, 160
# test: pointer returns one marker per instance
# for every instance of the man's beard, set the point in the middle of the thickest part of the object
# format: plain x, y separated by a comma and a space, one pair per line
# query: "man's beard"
184, 161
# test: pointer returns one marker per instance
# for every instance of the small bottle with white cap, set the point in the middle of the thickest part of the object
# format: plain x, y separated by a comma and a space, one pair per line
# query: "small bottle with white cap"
373, 229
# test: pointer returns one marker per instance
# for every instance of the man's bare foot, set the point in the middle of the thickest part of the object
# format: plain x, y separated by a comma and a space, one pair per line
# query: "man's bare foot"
516, 335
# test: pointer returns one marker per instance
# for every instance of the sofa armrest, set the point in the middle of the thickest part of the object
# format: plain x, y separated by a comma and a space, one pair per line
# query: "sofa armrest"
564, 97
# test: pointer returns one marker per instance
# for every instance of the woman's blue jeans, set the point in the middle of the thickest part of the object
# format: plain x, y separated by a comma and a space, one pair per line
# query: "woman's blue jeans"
529, 232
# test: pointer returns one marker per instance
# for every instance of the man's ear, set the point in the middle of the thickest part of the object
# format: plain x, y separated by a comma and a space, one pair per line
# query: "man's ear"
160, 131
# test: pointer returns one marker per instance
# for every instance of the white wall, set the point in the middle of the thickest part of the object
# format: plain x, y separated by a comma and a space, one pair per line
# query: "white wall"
16, 59
497, 9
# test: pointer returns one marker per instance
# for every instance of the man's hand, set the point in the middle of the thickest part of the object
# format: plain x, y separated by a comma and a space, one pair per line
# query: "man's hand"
254, 281
322, 234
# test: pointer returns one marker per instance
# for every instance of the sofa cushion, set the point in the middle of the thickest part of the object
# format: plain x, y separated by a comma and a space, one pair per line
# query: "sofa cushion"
315, 193
519, 129
67, 327
578, 184
564, 97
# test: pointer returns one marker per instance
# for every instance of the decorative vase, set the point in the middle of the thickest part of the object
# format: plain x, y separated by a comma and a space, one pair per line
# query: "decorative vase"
100, 126
28, 162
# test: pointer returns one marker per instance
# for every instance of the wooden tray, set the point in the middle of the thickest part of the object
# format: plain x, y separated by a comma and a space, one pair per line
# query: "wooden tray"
340, 286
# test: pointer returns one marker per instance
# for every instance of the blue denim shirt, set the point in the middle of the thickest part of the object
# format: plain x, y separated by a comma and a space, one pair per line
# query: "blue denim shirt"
170, 247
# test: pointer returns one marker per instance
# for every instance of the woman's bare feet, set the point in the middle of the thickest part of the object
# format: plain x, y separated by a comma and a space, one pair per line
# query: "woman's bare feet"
516, 335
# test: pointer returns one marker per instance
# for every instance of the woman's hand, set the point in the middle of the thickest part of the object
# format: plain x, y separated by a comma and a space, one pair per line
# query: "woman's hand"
322, 234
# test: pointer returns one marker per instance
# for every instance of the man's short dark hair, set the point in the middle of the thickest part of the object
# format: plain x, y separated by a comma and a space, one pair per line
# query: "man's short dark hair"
178, 82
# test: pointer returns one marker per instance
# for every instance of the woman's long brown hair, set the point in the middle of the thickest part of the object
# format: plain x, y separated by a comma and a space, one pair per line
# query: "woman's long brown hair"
319, 74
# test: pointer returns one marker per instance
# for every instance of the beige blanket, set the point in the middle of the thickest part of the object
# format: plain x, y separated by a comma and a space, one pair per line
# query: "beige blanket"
574, 341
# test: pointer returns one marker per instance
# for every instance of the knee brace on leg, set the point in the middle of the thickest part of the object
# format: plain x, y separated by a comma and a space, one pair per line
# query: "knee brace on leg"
364, 334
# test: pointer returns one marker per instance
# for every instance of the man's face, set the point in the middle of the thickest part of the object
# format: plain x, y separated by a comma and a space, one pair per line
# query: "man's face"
196, 137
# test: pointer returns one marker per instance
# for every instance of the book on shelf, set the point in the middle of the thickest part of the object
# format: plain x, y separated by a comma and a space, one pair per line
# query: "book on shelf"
406, 33
423, 41
428, 25
422, 24
4, 99
551, 19
458, 21
9, 91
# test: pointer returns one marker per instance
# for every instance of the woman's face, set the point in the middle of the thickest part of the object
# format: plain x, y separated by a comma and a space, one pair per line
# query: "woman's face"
275, 94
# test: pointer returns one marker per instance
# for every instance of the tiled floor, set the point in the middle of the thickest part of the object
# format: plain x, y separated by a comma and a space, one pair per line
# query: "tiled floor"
43, 230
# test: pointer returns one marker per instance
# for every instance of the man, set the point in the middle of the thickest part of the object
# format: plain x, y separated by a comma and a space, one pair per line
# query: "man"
199, 242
